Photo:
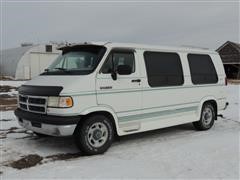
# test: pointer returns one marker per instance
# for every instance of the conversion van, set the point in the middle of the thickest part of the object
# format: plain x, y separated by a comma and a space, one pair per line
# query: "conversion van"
94, 91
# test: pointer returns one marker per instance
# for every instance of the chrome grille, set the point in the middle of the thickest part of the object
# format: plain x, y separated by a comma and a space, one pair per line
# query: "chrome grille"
37, 104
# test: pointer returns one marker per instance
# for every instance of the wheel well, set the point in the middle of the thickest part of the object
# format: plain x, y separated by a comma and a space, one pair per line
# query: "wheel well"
105, 113
214, 103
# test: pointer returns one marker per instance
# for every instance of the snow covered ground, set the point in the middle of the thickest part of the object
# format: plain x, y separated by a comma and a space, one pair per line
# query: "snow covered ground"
12, 83
176, 152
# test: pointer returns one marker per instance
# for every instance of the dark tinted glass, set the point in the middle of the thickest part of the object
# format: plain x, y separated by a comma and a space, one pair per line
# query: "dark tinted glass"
119, 58
202, 69
163, 69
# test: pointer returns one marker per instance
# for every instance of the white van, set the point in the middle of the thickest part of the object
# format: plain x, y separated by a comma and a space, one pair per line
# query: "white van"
94, 91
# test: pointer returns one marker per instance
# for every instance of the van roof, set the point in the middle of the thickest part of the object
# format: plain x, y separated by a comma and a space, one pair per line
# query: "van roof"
143, 46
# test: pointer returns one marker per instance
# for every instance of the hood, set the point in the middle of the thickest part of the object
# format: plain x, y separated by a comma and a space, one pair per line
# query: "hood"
70, 84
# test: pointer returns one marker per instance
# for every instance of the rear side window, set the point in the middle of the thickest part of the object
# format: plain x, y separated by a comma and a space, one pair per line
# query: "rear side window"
202, 69
163, 69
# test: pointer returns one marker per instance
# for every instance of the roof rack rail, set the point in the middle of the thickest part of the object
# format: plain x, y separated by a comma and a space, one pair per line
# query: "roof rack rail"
194, 47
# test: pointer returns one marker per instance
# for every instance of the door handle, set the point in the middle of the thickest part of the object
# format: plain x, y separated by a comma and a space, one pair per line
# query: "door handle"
136, 80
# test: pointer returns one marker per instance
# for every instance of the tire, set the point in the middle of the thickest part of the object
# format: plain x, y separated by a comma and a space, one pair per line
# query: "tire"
94, 135
207, 117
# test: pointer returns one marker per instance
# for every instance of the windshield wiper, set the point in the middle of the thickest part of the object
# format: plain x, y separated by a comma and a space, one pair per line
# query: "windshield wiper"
61, 69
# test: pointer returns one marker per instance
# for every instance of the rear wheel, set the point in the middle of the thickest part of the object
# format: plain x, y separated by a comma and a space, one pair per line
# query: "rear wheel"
94, 135
207, 117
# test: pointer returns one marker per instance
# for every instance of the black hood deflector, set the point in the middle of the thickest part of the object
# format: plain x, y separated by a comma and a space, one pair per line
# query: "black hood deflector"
40, 90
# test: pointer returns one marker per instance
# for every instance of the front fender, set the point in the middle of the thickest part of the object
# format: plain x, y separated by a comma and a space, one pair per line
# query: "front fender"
103, 108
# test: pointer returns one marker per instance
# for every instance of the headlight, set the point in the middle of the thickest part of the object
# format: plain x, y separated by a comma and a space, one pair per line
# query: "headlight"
63, 102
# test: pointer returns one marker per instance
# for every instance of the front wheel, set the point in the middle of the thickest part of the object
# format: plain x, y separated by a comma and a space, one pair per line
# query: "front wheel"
94, 135
207, 117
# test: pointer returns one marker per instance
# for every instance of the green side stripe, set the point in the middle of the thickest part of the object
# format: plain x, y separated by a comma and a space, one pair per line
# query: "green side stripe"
80, 94
152, 89
158, 107
85, 93
156, 114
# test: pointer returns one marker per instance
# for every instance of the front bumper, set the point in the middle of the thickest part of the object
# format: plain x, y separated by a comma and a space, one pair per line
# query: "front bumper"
47, 124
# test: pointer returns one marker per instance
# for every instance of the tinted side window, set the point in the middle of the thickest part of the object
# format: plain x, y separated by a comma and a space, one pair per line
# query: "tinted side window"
163, 69
202, 69
118, 58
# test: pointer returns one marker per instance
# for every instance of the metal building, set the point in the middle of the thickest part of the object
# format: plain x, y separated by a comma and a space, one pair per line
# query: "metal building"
27, 61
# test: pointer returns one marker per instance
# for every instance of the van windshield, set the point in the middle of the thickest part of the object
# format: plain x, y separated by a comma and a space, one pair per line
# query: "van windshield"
79, 60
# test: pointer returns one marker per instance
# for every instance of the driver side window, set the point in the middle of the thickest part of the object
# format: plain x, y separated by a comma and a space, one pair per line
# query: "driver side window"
118, 58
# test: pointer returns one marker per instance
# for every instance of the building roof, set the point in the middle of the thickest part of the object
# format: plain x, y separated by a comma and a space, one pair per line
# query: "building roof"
10, 59
235, 45
230, 52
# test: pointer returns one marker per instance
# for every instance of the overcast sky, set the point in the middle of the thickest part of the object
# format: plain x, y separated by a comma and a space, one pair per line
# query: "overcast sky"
201, 24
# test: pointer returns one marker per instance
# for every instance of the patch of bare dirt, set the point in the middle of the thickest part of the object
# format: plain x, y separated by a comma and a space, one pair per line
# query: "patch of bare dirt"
34, 159
5, 132
7, 96
6, 78
233, 81
64, 156
7, 88
10, 129
27, 161
5, 119
8, 101
8, 108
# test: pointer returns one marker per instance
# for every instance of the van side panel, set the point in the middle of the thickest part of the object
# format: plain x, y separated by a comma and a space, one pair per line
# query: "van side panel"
174, 105
166, 106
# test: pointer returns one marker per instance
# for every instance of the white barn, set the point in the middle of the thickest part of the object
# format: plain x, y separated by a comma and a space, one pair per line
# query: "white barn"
27, 61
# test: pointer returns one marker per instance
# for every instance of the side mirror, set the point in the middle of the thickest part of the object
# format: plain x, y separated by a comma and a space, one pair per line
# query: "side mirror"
114, 75
124, 70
